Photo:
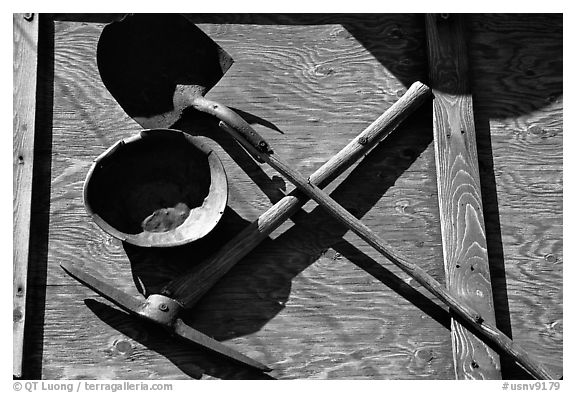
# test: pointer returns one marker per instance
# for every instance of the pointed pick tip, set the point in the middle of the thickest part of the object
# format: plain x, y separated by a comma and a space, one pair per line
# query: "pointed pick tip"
182, 330
70, 269
66, 266
257, 365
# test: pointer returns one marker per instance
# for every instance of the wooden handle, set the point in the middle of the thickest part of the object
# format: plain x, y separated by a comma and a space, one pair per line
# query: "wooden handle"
466, 313
191, 287
247, 137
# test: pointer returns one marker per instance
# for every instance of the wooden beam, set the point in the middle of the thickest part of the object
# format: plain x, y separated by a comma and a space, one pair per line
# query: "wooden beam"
459, 194
24, 103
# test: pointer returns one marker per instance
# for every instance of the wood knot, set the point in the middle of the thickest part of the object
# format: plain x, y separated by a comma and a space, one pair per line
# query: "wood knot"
112, 243
324, 70
17, 314
551, 258
478, 318
554, 327
536, 129
396, 32
425, 355
123, 347
405, 62
403, 207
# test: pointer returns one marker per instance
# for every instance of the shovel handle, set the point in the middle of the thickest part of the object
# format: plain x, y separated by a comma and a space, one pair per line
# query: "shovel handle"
188, 289
250, 139
461, 309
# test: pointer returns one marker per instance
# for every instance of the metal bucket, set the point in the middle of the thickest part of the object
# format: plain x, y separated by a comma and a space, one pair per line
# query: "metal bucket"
160, 188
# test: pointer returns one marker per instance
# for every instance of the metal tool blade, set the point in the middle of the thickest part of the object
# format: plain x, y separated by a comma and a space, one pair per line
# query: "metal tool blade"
136, 306
150, 63
189, 334
121, 299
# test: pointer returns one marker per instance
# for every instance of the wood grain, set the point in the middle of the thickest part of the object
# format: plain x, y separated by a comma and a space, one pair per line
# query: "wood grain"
467, 313
459, 194
188, 289
74, 237
360, 320
516, 61
24, 106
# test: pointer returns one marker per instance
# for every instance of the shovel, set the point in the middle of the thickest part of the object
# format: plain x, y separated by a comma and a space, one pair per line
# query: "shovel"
167, 55
157, 67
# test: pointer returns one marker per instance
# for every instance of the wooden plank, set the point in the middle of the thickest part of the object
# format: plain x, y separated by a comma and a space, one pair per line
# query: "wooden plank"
24, 103
459, 193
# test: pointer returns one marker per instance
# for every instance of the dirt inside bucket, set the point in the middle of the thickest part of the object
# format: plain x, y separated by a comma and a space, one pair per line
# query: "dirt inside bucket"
150, 186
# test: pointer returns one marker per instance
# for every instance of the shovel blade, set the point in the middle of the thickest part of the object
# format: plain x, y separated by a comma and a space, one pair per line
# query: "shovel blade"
154, 64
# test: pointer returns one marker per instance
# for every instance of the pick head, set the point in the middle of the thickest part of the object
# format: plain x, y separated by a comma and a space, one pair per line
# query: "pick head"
161, 310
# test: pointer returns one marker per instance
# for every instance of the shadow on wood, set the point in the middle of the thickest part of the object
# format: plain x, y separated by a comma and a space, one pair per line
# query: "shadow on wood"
397, 42
40, 218
264, 283
152, 268
202, 124
193, 362
509, 368
516, 68
516, 62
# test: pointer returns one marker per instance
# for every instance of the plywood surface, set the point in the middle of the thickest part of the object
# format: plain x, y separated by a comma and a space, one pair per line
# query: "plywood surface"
311, 301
